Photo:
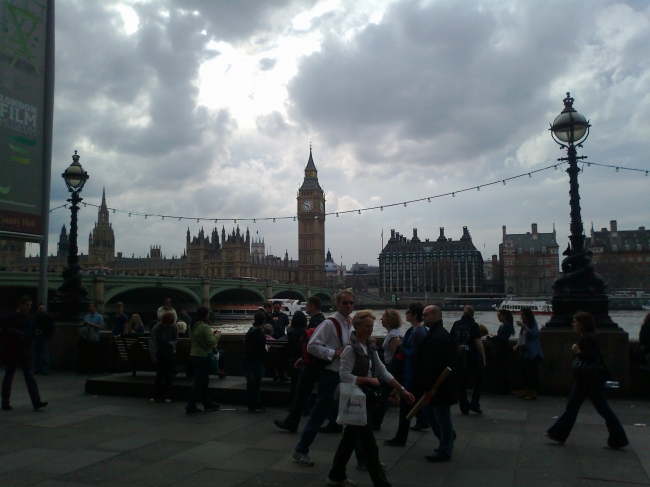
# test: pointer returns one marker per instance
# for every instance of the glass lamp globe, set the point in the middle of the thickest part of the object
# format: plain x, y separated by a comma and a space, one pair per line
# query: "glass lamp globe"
570, 126
75, 177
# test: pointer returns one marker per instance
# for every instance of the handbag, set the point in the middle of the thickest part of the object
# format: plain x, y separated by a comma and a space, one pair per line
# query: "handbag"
352, 405
588, 372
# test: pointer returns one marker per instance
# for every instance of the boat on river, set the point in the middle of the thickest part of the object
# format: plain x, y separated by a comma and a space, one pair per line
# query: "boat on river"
515, 305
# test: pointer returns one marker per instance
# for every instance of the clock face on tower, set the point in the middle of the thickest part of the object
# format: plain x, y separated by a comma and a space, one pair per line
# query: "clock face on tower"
306, 206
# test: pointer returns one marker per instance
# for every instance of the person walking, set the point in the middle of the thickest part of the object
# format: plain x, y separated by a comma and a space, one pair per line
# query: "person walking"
162, 347
404, 370
470, 364
254, 353
295, 335
326, 344
392, 322
434, 356
308, 376
589, 383
360, 365
531, 354
44, 323
202, 339
16, 335
503, 352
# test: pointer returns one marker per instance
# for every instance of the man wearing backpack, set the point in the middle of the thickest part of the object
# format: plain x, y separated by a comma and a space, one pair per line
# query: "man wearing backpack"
466, 335
326, 344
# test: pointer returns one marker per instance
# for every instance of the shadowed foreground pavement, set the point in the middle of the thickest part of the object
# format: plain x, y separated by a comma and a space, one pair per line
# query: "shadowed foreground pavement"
82, 440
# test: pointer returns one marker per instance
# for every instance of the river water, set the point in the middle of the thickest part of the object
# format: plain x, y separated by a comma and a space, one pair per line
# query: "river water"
630, 321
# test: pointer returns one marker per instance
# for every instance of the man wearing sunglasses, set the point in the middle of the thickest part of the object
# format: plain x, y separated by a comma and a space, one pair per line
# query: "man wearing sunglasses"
326, 344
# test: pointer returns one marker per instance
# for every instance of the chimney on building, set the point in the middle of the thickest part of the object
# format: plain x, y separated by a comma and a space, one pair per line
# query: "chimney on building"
534, 228
613, 226
641, 229
415, 233
442, 238
392, 234
503, 230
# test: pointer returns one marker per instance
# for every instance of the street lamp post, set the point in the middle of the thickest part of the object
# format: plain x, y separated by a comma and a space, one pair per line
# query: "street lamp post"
72, 293
579, 288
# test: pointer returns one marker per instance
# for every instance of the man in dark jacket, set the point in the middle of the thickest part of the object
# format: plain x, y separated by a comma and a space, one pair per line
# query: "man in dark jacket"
470, 363
279, 320
435, 355
254, 353
18, 331
45, 323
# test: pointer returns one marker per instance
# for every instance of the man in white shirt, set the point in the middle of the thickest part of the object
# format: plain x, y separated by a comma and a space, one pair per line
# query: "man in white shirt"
166, 308
327, 344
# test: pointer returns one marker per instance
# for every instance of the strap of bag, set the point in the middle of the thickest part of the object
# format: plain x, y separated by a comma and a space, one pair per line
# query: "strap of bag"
337, 325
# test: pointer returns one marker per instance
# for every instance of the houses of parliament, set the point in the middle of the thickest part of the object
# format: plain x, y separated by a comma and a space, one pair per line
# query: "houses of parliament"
218, 254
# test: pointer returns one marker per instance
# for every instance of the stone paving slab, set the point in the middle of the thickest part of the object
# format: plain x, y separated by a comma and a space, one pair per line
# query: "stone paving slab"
80, 440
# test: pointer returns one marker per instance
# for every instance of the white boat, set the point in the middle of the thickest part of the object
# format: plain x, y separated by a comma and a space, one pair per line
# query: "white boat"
290, 306
646, 306
514, 305
234, 313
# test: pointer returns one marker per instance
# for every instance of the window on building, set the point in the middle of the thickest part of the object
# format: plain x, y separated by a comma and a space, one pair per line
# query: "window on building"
614, 248
647, 259
521, 251
639, 259
627, 247
540, 262
543, 250
638, 246
532, 250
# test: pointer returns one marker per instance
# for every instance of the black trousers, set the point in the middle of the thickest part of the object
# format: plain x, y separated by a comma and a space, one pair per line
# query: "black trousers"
165, 369
529, 372
87, 358
475, 372
24, 361
503, 367
199, 390
365, 436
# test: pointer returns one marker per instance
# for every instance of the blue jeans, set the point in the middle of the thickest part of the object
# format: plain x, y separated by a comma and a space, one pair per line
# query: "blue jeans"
328, 381
439, 417
563, 426
42, 355
199, 390
254, 374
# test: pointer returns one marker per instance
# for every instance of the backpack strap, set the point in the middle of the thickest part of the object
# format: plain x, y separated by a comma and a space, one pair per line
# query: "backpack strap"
337, 325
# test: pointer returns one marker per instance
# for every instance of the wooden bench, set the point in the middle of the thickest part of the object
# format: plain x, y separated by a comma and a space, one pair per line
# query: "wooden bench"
134, 349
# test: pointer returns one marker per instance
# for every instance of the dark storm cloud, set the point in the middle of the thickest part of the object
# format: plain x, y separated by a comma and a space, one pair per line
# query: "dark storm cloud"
448, 78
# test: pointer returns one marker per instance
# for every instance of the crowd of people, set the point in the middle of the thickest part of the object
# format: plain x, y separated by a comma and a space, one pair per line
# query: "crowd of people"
426, 363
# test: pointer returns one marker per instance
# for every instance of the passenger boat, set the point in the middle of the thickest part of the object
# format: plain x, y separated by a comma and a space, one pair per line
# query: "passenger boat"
234, 312
514, 305
290, 306
646, 306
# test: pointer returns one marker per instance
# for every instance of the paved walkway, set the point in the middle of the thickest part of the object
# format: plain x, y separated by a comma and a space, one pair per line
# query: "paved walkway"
116, 441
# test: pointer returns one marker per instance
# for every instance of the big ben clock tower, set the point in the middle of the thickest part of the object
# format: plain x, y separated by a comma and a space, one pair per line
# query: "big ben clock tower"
311, 228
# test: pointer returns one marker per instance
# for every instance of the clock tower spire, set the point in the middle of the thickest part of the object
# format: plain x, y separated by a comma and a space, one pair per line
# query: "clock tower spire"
311, 228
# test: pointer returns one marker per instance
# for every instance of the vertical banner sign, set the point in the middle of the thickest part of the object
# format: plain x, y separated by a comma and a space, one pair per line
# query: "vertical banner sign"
22, 68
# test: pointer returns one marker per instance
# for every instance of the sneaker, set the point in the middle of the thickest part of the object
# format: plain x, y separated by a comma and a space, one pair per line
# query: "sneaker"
419, 427
40, 405
332, 427
554, 439
7, 407
168, 401
364, 467
283, 425
152, 400
211, 407
394, 442
348, 482
304, 460
192, 410
257, 410
616, 446
476, 410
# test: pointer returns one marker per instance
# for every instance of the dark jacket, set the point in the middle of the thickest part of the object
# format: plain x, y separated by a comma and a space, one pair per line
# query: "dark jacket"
294, 337
45, 323
162, 341
316, 320
279, 327
433, 356
644, 336
502, 338
17, 333
589, 352
254, 346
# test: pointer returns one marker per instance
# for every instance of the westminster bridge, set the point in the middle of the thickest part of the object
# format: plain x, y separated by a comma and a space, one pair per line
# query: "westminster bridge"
144, 294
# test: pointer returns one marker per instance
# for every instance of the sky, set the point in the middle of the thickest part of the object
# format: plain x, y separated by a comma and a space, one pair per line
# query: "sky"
207, 109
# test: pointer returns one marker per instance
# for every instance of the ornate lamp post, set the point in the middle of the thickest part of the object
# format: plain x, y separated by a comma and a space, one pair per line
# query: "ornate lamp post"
580, 288
72, 290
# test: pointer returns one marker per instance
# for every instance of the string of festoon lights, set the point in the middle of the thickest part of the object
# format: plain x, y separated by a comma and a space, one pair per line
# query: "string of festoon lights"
359, 210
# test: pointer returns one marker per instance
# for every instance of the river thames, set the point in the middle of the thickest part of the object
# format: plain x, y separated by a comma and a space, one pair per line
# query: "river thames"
630, 321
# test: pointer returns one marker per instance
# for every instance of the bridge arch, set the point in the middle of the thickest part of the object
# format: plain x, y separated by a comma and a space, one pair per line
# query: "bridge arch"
326, 298
290, 294
153, 294
236, 295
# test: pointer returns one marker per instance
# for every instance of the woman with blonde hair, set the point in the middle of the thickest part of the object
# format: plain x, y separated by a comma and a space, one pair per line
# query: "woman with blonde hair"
136, 325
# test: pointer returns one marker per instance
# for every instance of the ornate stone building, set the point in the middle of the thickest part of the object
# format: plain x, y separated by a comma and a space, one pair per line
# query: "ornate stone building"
529, 262
622, 257
441, 266
311, 228
229, 255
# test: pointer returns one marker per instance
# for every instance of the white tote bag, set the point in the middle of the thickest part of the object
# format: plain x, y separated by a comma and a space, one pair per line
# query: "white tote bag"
352, 405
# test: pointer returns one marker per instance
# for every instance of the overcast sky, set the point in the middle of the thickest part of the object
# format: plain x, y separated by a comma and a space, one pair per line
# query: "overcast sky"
207, 108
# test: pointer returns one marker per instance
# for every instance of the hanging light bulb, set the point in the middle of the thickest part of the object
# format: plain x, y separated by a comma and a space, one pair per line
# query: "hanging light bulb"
337, 214
405, 203
646, 173
294, 218
589, 164
113, 210
359, 212
555, 167
129, 214
254, 220
429, 200
197, 220
616, 171
504, 182
163, 218
453, 195
235, 220
145, 217
478, 188
85, 203
179, 219
381, 208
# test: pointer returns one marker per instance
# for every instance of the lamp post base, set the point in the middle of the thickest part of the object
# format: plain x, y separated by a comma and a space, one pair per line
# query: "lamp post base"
69, 309
565, 306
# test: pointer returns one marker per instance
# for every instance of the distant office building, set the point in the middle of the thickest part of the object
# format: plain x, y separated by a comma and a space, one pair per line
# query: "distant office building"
440, 266
529, 262
622, 257
334, 273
